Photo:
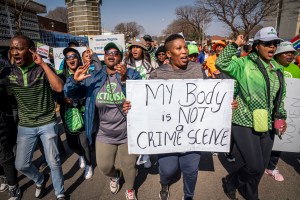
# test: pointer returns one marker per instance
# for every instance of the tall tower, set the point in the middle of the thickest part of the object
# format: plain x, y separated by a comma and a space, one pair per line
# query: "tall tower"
84, 17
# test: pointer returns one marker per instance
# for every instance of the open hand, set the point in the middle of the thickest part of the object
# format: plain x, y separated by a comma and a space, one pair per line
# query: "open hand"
81, 72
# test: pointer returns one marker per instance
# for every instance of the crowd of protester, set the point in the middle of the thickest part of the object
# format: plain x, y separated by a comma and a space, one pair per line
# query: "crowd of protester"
32, 85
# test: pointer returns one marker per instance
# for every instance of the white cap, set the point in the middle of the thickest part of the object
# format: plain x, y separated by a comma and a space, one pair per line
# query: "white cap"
266, 34
285, 47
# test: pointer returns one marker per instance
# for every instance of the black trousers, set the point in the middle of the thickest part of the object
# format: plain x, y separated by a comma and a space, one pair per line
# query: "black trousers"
78, 143
8, 131
275, 155
255, 149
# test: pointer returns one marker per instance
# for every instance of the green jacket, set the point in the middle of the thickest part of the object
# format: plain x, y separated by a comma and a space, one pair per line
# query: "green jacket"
251, 85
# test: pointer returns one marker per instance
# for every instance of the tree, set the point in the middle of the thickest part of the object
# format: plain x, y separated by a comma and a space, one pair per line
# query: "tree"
240, 15
179, 26
130, 29
58, 14
18, 11
195, 17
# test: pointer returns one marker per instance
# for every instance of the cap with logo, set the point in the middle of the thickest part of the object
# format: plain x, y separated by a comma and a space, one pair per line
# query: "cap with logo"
266, 34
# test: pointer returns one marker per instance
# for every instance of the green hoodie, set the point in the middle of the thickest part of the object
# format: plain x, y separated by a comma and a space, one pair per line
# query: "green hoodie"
251, 85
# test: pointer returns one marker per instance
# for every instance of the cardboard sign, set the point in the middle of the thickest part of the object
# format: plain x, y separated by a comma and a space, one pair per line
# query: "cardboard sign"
59, 56
169, 116
291, 139
43, 50
98, 42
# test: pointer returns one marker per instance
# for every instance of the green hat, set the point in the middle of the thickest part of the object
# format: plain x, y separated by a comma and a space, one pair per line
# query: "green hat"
193, 49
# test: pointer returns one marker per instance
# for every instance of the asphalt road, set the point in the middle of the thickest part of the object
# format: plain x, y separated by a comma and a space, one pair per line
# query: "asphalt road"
209, 187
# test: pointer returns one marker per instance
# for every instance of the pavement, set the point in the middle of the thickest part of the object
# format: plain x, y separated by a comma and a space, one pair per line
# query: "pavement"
209, 186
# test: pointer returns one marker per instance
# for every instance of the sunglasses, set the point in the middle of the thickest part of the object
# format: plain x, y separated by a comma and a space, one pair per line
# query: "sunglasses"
72, 56
270, 43
161, 54
112, 53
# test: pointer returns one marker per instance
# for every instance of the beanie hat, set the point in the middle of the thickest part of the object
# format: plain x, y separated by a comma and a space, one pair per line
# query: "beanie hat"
159, 50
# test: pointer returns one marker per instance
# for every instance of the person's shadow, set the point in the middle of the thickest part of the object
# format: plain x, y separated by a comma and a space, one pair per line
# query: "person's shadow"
292, 159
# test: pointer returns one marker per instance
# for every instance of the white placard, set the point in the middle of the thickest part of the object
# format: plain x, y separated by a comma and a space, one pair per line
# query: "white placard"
59, 56
179, 115
291, 139
98, 42
43, 50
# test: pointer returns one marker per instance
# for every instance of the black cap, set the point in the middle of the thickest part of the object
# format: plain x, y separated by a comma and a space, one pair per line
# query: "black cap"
68, 49
160, 49
74, 42
147, 38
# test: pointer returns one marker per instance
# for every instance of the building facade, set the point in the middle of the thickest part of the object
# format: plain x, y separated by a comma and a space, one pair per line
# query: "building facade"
84, 17
287, 21
29, 22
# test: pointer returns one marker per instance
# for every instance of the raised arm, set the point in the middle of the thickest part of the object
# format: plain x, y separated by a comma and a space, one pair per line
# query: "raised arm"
56, 83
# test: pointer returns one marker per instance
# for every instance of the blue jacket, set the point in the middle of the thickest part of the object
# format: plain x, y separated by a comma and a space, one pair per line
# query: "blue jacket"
201, 57
89, 88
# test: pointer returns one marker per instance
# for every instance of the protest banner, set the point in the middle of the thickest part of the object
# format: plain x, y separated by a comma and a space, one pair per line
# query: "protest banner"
291, 139
59, 56
42, 50
98, 42
179, 115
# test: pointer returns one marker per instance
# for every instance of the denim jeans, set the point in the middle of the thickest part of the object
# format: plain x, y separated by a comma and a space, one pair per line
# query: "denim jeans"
26, 143
187, 163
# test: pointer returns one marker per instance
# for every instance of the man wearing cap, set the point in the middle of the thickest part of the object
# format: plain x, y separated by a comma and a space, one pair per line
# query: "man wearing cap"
210, 64
105, 93
149, 42
32, 83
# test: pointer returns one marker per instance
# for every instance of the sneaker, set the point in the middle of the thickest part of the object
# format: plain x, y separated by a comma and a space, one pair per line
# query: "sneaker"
3, 184
14, 193
230, 194
115, 183
275, 174
61, 197
88, 172
164, 192
229, 157
130, 195
40, 190
147, 161
81, 162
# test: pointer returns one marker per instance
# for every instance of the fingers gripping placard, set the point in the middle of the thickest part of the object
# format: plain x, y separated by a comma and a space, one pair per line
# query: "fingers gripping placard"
179, 115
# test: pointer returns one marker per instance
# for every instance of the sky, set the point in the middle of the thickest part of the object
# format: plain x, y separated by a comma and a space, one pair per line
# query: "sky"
153, 15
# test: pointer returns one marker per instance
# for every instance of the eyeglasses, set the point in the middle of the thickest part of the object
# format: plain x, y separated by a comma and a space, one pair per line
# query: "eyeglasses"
161, 54
72, 56
270, 43
112, 53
